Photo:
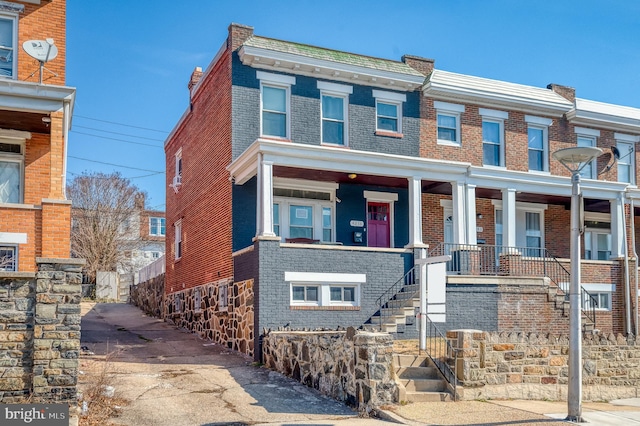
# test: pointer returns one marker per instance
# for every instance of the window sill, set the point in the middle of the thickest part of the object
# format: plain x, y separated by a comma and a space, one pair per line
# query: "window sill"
324, 308
448, 143
540, 172
389, 134
275, 138
334, 145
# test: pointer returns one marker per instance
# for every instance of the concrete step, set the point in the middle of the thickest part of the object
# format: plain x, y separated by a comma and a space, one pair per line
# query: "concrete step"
424, 385
404, 361
404, 311
404, 303
428, 397
388, 320
409, 373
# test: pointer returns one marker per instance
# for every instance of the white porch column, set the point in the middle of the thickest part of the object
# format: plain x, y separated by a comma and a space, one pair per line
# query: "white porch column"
459, 222
470, 201
509, 217
264, 198
617, 227
415, 211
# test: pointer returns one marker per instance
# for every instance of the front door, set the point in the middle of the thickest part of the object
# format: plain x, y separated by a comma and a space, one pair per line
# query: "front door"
378, 225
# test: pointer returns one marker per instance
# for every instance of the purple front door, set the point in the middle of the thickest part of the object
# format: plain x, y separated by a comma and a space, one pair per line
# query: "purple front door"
378, 225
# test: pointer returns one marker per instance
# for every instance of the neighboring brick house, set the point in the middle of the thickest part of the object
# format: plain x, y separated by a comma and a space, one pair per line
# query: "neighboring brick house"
306, 180
35, 119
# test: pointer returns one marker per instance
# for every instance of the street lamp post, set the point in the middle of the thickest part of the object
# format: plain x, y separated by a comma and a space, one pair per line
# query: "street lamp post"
575, 159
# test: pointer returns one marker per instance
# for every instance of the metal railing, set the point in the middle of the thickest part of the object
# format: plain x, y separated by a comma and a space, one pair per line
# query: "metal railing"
443, 355
391, 302
468, 259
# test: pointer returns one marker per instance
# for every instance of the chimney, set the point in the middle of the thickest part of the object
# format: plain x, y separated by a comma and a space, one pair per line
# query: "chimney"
566, 92
238, 34
422, 65
139, 201
195, 78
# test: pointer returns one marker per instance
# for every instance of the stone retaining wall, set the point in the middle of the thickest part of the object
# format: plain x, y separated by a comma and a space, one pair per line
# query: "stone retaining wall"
353, 367
149, 296
531, 366
40, 332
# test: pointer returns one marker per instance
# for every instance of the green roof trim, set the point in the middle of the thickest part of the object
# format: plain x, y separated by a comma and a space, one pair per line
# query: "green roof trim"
331, 55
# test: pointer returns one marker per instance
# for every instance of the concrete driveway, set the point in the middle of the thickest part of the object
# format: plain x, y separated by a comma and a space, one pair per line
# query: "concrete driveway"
172, 377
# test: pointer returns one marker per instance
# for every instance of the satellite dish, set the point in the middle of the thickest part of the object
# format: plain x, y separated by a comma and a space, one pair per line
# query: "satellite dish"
616, 152
41, 50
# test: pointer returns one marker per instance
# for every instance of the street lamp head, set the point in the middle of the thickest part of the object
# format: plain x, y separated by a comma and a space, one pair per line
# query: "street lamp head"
575, 158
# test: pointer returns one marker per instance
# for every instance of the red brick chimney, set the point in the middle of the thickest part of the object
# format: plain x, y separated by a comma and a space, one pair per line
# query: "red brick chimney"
195, 78
422, 65
238, 34
566, 92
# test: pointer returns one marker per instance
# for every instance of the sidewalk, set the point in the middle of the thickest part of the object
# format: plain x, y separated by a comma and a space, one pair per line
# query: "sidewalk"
516, 412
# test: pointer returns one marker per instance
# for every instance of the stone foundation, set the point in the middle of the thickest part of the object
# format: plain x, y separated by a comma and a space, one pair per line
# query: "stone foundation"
531, 366
40, 332
149, 296
353, 367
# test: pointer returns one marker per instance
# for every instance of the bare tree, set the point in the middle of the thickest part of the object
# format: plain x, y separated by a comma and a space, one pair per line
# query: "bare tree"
104, 210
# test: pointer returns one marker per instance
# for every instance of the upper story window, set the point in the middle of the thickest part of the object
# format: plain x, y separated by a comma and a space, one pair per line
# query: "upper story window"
389, 111
8, 40
538, 141
626, 162
8, 258
493, 137
275, 104
157, 226
178, 239
588, 137
448, 121
334, 112
177, 177
11, 170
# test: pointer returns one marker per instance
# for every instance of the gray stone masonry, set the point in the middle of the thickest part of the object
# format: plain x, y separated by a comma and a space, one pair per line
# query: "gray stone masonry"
40, 332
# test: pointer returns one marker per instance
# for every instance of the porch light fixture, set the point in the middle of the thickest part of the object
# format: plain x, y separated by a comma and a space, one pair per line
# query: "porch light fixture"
352, 175
575, 159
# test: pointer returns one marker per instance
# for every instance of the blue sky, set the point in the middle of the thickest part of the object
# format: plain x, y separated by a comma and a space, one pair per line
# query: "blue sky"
131, 60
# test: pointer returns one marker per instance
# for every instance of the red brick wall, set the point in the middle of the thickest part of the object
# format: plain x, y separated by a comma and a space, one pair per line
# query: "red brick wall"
38, 22
56, 230
203, 201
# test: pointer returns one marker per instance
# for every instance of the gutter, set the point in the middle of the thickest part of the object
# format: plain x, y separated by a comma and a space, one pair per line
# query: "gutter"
635, 254
627, 290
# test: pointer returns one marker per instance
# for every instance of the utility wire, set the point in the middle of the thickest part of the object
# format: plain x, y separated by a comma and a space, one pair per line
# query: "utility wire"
107, 178
116, 139
116, 165
116, 133
120, 124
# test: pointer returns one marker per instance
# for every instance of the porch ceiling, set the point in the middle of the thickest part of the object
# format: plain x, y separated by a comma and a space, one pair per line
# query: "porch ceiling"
339, 177
24, 121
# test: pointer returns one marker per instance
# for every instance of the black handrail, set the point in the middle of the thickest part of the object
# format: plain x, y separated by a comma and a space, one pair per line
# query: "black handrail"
442, 354
470, 259
405, 286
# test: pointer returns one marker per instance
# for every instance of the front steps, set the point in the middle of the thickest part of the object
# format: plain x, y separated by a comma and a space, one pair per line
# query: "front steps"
560, 302
399, 312
419, 379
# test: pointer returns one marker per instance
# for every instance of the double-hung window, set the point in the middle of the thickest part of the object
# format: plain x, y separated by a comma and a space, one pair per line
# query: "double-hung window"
304, 210
538, 141
8, 258
601, 294
11, 170
334, 112
448, 122
626, 162
177, 177
8, 39
157, 226
275, 104
178, 239
493, 137
587, 137
389, 111
597, 236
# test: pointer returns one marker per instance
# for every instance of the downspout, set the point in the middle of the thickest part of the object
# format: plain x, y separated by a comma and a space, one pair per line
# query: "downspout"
66, 120
627, 294
635, 255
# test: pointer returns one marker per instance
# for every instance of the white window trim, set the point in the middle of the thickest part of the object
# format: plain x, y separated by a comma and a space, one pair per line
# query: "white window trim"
592, 135
594, 288
524, 208
178, 170
337, 91
153, 232
13, 137
629, 160
324, 281
279, 81
453, 110
500, 123
384, 197
545, 146
15, 257
392, 98
16, 44
586, 132
177, 228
